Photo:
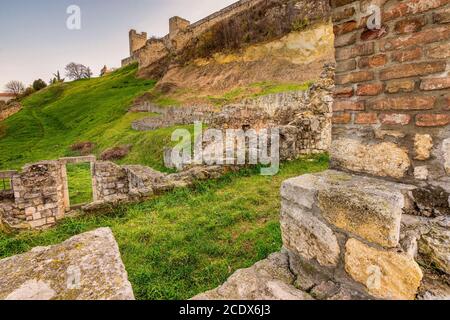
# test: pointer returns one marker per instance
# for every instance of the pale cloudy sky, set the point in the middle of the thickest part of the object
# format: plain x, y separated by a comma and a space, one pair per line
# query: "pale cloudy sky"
35, 42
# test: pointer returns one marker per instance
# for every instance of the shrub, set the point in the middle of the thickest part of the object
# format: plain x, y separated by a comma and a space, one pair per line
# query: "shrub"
84, 148
39, 84
115, 153
28, 92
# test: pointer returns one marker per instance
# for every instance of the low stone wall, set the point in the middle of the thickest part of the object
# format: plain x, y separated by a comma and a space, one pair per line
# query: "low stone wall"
38, 197
120, 184
303, 117
348, 237
170, 116
39, 194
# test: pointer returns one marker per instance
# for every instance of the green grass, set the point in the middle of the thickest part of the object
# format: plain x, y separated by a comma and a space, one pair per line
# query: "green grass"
87, 110
5, 184
80, 183
256, 90
190, 240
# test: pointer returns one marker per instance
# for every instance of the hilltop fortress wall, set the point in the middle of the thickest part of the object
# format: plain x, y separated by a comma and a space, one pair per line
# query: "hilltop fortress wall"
181, 31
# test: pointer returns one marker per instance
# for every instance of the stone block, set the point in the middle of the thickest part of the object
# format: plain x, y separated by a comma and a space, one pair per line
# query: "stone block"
423, 143
367, 207
435, 245
386, 274
90, 268
446, 154
310, 238
385, 159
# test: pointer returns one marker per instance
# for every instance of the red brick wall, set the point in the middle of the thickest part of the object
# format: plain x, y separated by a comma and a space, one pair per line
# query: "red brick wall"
393, 86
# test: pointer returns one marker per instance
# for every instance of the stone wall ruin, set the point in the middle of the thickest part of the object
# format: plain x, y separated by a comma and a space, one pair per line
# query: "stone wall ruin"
382, 230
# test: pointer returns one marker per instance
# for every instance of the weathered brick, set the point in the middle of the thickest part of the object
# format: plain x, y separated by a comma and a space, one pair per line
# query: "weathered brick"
343, 92
343, 14
395, 119
411, 7
439, 51
420, 38
366, 118
432, 120
397, 86
343, 118
369, 35
378, 60
410, 25
404, 103
364, 49
347, 105
435, 84
345, 27
447, 101
354, 77
442, 16
347, 65
407, 55
345, 40
412, 70
369, 89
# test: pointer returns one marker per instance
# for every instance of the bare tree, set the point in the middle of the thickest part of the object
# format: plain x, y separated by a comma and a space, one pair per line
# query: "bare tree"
88, 73
77, 71
15, 87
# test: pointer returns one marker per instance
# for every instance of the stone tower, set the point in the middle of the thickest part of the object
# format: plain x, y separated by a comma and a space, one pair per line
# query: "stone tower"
177, 24
137, 40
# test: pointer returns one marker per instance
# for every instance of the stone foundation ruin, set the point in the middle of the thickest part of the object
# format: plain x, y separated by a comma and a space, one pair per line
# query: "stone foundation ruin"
38, 196
376, 226
380, 231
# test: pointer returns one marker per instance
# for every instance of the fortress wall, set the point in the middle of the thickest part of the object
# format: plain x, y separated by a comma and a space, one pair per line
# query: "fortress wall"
391, 109
151, 51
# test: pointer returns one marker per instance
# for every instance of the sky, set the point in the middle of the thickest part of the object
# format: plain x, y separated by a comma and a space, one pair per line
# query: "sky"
35, 41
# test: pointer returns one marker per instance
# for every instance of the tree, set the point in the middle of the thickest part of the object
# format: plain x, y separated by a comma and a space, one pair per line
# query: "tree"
39, 84
57, 78
77, 71
88, 73
15, 87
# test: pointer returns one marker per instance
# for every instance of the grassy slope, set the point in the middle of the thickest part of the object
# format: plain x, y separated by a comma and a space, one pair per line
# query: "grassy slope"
87, 110
174, 246
189, 240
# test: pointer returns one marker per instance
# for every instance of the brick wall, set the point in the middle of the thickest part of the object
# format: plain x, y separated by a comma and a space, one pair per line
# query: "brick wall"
392, 99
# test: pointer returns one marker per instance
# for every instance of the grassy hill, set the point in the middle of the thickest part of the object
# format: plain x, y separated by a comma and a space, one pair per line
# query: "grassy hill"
190, 240
86, 110
173, 246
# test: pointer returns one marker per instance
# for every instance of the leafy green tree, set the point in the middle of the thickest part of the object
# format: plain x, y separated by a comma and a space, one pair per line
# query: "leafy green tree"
39, 84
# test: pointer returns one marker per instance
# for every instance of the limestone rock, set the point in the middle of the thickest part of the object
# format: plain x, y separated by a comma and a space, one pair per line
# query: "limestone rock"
446, 154
85, 267
385, 159
269, 279
433, 288
386, 274
435, 245
421, 173
423, 143
364, 211
368, 207
307, 236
